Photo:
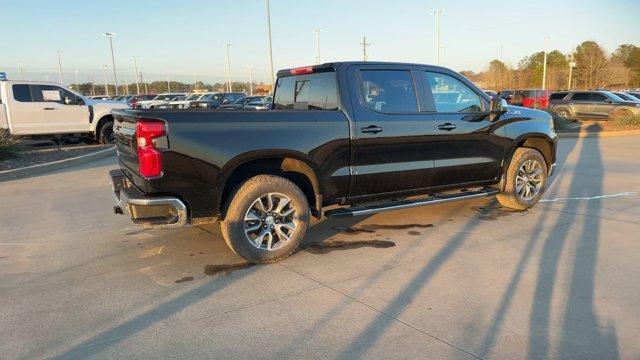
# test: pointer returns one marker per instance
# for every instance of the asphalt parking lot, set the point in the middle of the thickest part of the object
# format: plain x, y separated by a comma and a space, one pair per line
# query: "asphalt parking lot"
460, 280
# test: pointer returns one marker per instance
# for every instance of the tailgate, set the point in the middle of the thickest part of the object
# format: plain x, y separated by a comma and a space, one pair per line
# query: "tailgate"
124, 128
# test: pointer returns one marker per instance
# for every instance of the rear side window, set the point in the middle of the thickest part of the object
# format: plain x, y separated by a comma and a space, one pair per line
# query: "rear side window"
557, 96
388, 91
21, 93
450, 94
581, 97
307, 92
598, 97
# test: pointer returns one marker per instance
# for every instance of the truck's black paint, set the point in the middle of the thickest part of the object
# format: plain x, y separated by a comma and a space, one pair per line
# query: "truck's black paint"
205, 152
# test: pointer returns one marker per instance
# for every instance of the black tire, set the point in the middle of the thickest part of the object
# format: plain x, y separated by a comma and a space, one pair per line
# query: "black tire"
106, 135
241, 203
563, 113
511, 196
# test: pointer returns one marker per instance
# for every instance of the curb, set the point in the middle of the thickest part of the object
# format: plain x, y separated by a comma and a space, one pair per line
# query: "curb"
599, 134
32, 170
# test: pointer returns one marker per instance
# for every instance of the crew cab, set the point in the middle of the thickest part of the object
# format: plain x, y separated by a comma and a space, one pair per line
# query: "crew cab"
43, 109
341, 139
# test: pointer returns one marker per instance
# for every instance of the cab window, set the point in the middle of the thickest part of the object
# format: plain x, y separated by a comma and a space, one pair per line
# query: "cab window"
450, 95
388, 91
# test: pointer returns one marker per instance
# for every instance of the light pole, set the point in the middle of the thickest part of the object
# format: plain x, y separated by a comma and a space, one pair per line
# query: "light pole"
437, 14
270, 51
544, 63
444, 54
364, 44
135, 67
168, 84
21, 71
226, 48
317, 32
93, 86
106, 85
75, 76
572, 64
60, 65
250, 66
110, 35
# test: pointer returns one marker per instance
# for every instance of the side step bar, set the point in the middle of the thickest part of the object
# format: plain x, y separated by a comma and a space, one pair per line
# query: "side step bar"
405, 204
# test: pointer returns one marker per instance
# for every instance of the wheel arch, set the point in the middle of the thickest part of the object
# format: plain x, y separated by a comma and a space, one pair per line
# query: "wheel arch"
293, 168
545, 145
104, 119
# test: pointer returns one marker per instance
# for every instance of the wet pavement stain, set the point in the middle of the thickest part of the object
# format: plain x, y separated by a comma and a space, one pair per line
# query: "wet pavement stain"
135, 232
351, 230
413, 232
371, 228
493, 212
329, 246
225, 269
184, 279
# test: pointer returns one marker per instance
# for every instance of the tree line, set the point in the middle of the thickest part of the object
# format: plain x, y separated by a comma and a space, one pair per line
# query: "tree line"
594, 69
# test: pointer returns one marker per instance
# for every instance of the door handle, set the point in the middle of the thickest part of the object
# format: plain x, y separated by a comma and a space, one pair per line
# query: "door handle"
371, 129
49, 108
446, 127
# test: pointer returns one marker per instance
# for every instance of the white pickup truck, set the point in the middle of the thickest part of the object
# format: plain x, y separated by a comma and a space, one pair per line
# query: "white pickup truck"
44, 108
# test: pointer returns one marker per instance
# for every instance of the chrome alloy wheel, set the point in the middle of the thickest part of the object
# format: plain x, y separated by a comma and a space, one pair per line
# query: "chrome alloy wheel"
270, 221
529, 179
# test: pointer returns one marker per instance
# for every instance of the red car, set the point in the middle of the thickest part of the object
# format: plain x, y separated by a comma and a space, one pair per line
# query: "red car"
531, 98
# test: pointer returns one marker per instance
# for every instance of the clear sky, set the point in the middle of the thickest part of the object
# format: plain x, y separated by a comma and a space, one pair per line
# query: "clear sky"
183, 38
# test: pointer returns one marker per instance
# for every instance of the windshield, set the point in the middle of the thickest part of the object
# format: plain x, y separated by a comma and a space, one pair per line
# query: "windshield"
194, 97
615, 97
625, 96
207, 97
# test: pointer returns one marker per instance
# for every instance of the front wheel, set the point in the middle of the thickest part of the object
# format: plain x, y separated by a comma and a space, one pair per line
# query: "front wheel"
266, 219
525, 180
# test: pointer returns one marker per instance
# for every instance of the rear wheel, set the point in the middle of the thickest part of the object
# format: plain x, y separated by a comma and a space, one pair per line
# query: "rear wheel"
267, 217
563, 113
525, 180
106, 134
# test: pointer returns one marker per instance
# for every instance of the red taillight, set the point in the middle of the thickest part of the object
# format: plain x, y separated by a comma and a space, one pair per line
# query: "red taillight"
528, 102
149, 157
302, 70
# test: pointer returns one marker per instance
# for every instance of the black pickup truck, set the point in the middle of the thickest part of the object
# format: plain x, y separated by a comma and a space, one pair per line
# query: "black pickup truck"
365, 136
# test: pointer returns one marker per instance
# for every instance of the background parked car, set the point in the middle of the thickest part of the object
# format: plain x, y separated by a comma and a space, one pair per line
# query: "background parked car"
625, 96
635, 94
158, 100
599, 105
264, 104
214, 100
136, 98
186, 102
240, 103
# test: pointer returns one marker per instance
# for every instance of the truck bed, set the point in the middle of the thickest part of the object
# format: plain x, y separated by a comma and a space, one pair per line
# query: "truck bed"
202, 146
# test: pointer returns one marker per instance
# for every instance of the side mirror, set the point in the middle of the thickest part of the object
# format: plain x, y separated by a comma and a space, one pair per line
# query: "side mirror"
67, 100
497, 105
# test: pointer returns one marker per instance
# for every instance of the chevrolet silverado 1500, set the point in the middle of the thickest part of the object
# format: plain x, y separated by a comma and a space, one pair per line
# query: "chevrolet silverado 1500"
365, 136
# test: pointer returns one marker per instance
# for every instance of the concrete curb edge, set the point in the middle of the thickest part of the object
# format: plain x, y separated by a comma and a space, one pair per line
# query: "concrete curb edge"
32, 170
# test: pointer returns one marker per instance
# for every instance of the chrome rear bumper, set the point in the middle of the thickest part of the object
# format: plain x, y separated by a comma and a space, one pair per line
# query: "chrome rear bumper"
161, 211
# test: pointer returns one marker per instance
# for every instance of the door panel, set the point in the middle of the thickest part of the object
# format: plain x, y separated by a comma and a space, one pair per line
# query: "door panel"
468, 148
471, 152
393, 141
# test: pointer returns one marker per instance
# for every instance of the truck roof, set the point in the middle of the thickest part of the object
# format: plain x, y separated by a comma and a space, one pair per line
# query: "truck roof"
333, 66
29, 82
